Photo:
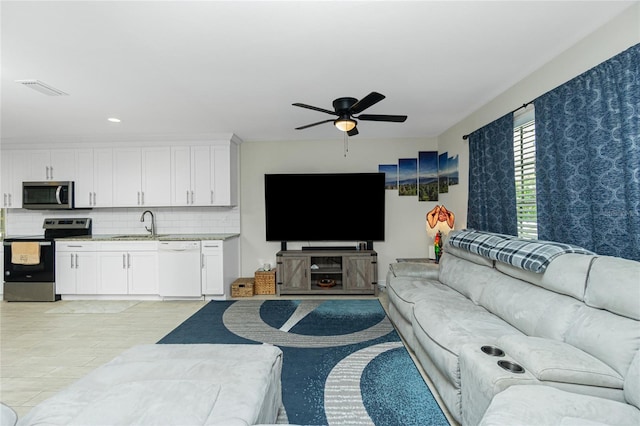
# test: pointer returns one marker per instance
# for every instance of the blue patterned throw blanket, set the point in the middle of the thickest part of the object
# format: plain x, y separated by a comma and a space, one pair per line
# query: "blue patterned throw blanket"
532, 255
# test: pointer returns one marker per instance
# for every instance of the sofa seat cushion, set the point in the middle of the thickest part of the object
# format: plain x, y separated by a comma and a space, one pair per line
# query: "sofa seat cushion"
404, 292
555, 361
444, 324
545, 405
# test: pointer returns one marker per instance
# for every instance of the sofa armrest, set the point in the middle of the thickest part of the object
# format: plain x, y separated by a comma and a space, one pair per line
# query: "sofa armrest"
414, 269
555, 361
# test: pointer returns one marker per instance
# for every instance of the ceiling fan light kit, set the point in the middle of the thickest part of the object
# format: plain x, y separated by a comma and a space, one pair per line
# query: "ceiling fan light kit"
346, 109
345, 124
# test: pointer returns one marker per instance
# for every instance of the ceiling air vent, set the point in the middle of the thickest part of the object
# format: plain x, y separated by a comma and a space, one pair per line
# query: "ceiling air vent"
42, 87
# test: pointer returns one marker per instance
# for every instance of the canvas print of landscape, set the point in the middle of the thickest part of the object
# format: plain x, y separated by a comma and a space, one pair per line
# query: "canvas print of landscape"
428, 176
443, 178
452, 170
390, 175
407, 176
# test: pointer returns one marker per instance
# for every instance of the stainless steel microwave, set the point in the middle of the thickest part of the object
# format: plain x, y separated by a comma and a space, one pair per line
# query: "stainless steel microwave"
47, 195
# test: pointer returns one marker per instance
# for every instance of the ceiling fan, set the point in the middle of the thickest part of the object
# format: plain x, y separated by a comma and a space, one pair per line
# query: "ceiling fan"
346, 110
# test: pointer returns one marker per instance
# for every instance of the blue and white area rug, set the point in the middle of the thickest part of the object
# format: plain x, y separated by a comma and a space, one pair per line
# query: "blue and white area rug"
344, 364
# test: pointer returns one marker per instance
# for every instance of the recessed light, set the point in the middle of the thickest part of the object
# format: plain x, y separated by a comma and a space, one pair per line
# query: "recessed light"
113, 119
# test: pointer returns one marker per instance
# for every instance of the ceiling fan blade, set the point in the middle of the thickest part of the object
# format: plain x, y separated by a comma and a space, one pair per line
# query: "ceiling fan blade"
353, 132
380, 117
315, 124
364, 103
298, 104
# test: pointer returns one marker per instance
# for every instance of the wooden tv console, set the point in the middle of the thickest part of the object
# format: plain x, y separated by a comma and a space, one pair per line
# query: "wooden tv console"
327, 272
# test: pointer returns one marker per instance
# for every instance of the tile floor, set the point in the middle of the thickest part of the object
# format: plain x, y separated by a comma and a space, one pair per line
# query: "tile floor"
44, 347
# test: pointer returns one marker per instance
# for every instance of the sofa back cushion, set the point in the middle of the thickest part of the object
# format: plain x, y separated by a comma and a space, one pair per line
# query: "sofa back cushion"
467, 255
531, 309
464, 276
632, 382
614, 285
566, 274
612, 338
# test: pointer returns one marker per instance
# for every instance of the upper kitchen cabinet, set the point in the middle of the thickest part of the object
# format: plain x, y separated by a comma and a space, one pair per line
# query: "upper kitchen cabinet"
142, 177
94, 182
52, 165
14, 171
204, 175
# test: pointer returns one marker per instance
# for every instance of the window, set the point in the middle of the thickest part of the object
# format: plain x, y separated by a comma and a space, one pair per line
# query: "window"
524, 152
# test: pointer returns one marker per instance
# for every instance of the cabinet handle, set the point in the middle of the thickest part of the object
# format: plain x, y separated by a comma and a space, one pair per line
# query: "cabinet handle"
71, 260
47, 172
138, 197
143, 198
187, 197
202, 261
94, 199
51, 172
211, 196
124, 261
77, 261
128, 261
191, 197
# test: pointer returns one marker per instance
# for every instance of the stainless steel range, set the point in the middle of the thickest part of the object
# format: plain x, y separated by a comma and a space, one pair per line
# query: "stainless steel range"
29, 262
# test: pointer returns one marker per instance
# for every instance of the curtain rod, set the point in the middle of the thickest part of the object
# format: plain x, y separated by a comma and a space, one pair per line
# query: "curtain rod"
465, 137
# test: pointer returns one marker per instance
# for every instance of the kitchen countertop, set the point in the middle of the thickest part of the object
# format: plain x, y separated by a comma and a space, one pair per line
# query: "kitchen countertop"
147, 237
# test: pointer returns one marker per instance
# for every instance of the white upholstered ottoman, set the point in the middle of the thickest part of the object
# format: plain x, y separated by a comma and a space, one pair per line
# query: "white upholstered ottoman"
199, 384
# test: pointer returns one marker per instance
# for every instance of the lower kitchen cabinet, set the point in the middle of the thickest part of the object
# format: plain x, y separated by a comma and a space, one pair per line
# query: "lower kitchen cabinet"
76, 268
220, 262
128, 269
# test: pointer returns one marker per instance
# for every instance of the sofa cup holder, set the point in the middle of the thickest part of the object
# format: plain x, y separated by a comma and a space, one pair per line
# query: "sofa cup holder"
492, 350
511, 366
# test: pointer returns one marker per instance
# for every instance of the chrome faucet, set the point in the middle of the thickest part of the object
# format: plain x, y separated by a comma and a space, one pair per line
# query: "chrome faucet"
153, 222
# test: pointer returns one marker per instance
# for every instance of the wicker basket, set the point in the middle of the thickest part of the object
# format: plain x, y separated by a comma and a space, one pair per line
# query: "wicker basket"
265, 282
242, 287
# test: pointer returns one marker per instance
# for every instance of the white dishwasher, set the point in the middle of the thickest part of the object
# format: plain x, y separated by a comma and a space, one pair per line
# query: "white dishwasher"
179, 267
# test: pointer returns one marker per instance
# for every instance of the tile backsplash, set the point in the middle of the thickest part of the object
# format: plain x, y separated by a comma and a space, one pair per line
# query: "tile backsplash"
169, 220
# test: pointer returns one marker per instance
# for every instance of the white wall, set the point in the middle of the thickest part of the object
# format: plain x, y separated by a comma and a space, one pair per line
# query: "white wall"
405, 216
611, 39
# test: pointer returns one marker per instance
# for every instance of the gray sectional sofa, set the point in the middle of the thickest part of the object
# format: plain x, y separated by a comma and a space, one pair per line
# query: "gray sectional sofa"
523, 332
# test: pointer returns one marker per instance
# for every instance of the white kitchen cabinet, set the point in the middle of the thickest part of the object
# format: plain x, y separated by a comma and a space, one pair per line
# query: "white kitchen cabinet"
128, 268
76, 268
94, 182
212, 268
224, 170
142, 177
181, 191
204, 175
15, 170
220, 267
53, 165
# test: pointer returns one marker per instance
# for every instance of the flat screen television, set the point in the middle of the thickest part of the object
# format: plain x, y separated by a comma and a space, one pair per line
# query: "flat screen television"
325, 207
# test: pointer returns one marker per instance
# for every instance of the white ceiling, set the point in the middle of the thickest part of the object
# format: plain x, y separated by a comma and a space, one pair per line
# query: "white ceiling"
181, 68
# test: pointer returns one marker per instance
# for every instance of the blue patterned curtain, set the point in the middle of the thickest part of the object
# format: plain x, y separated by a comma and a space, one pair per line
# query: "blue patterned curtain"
588, 159
492, 190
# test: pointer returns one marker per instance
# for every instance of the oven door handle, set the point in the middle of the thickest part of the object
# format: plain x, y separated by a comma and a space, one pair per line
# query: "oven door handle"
58, 190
